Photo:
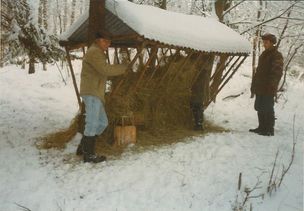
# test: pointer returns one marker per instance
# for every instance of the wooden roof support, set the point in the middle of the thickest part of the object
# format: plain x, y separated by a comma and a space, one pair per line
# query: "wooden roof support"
219, 73
83, 50
96, 19
221, 67
128, 68
170, 64
151, 58
158, 65
150, 51
226, 81
73, 76
116, 56
128, 54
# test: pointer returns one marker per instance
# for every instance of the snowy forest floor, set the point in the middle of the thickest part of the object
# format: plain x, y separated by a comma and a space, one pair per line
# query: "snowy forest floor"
198, 173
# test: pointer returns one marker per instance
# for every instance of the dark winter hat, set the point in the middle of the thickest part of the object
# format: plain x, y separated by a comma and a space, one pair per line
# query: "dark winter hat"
272, 38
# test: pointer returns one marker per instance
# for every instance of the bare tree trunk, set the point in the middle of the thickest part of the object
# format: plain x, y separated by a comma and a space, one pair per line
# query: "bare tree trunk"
73, 11
284, 29
31, 64
220, 7
42, 20
80, 5
59, 17
256, 43
288, 63
65, 15
45, 14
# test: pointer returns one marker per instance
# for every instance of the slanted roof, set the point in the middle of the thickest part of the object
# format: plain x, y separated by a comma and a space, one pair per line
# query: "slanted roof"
124, 18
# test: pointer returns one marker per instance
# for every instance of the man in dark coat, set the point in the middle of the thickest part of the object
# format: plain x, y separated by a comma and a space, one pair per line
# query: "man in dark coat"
265, 84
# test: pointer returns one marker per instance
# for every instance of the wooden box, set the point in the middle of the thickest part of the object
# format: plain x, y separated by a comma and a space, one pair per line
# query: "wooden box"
126, 132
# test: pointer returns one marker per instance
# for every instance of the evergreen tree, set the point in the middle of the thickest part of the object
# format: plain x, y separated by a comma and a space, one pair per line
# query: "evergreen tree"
28, 38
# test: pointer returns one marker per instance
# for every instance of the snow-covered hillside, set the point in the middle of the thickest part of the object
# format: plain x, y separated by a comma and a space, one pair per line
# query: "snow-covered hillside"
200, 173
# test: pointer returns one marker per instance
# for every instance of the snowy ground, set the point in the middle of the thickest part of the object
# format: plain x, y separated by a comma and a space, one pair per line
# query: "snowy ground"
200, 173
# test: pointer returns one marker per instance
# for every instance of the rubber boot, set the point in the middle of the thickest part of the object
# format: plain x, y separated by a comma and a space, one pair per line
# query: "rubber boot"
88, 149
261, 126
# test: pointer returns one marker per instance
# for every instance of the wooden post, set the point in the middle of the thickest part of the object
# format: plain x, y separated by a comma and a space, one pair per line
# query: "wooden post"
83, 51
158, 65
73, 76
221, 67
235, 62
96, 19
128, 68
171, 62
226, 81
151, 58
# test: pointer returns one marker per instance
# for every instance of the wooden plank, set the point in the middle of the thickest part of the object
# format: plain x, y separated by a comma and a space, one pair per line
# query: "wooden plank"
225, 82
128, 68
220, 67
154, 53
158, 65
73, 76
170, 64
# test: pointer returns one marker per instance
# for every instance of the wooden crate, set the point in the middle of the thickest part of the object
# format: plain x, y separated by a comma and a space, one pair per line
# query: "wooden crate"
126, 132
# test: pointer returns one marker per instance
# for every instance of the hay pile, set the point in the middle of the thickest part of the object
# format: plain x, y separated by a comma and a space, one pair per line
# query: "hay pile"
162, 96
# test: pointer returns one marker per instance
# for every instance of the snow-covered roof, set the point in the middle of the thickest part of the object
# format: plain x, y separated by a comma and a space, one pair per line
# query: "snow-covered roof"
189, 31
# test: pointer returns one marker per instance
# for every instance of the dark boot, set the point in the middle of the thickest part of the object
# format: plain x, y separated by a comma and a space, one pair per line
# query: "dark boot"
88, 149
79, 148
260, 127
198, 118
269, 120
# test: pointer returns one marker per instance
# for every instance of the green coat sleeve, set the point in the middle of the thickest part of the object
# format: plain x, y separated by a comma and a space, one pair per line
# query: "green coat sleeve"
97, 60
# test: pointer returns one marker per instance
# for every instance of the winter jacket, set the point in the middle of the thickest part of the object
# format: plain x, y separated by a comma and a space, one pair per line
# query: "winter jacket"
268, 73
95, 71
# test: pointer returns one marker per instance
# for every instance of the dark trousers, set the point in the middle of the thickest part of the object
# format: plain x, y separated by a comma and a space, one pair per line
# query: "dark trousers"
198, 113
264, 105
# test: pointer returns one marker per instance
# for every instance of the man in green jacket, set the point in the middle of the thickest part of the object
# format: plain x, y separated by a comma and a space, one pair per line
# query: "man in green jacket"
265, 84
94, 73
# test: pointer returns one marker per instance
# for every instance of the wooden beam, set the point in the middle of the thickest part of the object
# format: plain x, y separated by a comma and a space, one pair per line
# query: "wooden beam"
96, 19
154, 53
128, 68
116, 56
226, 81
158, 65
170, 64
73, 76
216, 72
